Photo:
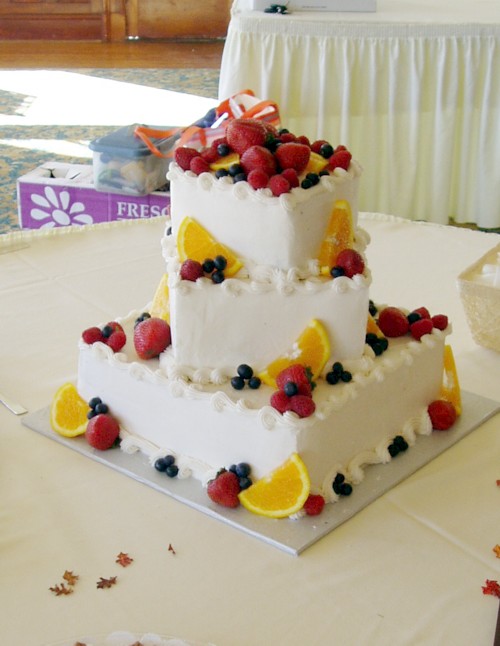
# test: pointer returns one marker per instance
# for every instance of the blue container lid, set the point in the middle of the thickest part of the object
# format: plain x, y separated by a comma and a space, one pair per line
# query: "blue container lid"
124, 143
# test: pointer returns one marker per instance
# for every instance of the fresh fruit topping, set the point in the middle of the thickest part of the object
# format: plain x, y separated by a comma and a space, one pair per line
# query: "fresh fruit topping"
183, 156
339, 235
111, 334
241, 134
293, 155
92, 335
423, 312
420, 328
225, 161
290, 174
68, 412
258, 157
314, 504
372, 327
116, 340
280, 401
397, 446
242, 471
378, 344
102, 432
340, 486
160, 307
224, 489
440, 321
340, 159
302, 405
393, 322
257, 178
151, 337
337, 374
244, 376
198, 165
279, 185
97, 407
142, 317
167, 466
282, 493
311, 349
194, 242
442, 413
351, 262
317, 145
450, 388
298, 375
310, 180
191, 270
316, 163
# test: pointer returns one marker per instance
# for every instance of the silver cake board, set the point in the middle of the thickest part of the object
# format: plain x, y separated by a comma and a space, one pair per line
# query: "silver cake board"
292, 536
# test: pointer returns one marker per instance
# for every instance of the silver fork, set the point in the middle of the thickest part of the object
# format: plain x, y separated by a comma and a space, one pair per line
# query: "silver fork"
14, 407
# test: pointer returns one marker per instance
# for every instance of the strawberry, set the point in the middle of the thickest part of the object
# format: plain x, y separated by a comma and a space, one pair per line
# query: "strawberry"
291, 175
102, 431
297, 374
151, 337
293, 155
351, 262
198, 165
340, 159
280, 401
421, 327
183, 156
314, 504
191, 270
423, 312
442, 414
243, 133
258, 157
302, 405
393, 322
224, 489
92, 335
116, 340
440, 321
258, 178
279, 185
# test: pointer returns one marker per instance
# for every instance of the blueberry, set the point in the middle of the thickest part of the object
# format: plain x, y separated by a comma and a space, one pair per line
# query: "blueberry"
377, 348
95, 401
101, 409
242, 470
244, 483
223, 150
290, 389
338, 368
107, 331
254, 383
400, 442
221, 172
324, 172
168, 232
339, 478
413, 317
283, 131
336, 271
393, 450
244, 371
218, 277
372, 308
240, 177
160, 465
332, 378
371, 338
306, 183
235, 169
208, 266
238, 383
326, 151
220, 263
346, 376
141, 318
91, 414
313, 177
172, 470
345, 489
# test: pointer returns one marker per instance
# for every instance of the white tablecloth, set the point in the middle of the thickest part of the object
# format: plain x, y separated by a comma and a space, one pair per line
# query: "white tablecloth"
412, 89
408, 570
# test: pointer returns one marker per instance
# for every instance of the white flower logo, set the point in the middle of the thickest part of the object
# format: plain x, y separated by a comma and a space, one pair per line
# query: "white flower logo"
57, 208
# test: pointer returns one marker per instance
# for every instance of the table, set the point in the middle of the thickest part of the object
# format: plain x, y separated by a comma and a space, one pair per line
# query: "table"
413, 90
406, 570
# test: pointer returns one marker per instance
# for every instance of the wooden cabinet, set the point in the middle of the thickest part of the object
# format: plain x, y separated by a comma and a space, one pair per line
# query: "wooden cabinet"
113, 19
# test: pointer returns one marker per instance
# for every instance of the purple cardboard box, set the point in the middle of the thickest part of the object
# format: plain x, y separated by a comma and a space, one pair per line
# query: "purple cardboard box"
60, 195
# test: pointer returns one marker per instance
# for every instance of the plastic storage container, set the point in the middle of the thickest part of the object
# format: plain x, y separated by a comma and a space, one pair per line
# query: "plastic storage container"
132, 160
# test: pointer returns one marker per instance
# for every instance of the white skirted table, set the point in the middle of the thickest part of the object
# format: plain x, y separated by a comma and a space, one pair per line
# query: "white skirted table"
408, 569
412, 89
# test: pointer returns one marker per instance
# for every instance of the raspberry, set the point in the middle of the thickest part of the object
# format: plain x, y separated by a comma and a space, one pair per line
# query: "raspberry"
116, 340
224, 489
423, 312
421, 327
298, 375
184, 155
442, 414
314, 504
102, 431
287, 138
218, 142
291, 175
209, 155
316, 146
302, 139
92, 335
392, 322
351, 262
302, 405
340, 159
440, 321
258, 178
191, 270
280, 401
198, 165
279, 185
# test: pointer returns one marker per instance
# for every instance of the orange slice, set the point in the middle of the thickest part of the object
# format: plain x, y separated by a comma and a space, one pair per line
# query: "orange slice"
311, 349
68, 412
316, 163
160, 307
339, 235
373, 328
225, 162
282, 493
450, 388
194, 242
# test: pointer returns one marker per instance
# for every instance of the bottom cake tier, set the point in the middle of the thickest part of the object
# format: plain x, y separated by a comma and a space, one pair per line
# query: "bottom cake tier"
209, 427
